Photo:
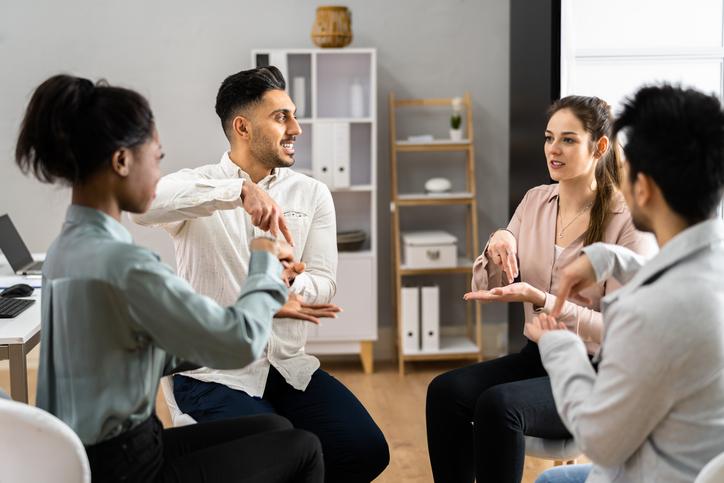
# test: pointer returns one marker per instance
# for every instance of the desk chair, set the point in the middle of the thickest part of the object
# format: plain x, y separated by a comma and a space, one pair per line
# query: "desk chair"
559, 450
37, 446
713, 472
178, 417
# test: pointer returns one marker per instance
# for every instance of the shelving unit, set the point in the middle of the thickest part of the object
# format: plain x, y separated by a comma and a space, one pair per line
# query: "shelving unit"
453, 347
338, 146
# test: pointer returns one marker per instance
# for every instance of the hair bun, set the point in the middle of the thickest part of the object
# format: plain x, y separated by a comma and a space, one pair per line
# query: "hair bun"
80, 92
72, 127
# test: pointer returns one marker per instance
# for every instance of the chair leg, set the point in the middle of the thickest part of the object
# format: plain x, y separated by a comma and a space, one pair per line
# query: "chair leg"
571, 462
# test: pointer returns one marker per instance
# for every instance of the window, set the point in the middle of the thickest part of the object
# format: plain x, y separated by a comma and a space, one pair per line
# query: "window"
611, 49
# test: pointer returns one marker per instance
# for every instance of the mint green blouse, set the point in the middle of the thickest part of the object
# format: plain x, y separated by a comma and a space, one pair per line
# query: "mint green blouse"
115, 320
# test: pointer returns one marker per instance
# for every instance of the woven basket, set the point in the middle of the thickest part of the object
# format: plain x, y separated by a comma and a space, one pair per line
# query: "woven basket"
332, 27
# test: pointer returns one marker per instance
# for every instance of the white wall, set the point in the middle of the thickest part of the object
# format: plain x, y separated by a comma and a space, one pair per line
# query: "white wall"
178, 52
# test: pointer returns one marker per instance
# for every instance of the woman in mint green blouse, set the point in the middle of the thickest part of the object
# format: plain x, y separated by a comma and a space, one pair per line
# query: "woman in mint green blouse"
115, 319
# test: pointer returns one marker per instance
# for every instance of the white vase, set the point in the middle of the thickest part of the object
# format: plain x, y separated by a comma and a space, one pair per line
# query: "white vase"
456, 134
298, 88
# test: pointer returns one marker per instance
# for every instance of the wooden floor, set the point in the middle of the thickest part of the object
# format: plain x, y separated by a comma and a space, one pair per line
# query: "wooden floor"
396, 404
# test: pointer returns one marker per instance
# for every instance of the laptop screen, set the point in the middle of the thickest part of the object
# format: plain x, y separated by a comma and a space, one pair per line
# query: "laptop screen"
12, 245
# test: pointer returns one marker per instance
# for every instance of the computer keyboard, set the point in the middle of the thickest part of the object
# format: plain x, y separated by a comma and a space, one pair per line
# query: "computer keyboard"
10, 308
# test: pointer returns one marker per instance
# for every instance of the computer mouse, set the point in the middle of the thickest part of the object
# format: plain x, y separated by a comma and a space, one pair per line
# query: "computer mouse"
18, 290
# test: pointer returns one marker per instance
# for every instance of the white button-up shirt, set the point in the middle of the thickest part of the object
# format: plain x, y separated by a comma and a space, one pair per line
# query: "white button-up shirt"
201, 209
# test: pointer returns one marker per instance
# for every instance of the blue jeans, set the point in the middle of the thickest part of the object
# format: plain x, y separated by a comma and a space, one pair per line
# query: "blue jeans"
353, 446
565, 474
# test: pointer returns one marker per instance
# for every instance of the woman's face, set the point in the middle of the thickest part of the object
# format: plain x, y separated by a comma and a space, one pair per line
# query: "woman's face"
568, 147
143, 176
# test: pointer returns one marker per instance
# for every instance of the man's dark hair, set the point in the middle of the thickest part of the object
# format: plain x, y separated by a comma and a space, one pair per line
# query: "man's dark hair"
243, 89
676, 137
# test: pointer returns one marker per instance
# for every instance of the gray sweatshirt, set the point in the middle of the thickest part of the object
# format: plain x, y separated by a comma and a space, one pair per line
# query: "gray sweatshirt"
655, 409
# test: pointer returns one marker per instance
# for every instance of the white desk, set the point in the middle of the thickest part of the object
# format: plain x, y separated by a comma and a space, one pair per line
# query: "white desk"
18, 336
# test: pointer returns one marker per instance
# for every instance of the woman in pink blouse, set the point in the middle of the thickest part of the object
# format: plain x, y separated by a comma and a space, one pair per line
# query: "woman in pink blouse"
510, 397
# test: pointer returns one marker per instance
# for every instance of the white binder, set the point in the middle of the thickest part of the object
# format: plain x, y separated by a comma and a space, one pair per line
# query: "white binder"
331, 153
341, 154
323, 153
410, 313
430, 318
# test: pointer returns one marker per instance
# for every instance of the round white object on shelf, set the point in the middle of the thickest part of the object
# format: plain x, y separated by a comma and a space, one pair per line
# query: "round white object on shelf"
437, 185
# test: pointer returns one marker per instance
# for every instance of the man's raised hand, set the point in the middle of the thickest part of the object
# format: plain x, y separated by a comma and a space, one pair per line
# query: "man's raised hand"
264, 211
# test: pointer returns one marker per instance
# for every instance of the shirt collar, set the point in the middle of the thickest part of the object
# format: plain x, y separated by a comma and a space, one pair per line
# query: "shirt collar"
618, 204
77, 214
233, 171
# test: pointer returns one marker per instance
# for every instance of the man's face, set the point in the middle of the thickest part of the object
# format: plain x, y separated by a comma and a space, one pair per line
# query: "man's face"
639, 218
273, 130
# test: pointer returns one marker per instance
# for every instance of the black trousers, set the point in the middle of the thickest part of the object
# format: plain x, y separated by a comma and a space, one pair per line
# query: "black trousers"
258, 449
477, 417
355, 450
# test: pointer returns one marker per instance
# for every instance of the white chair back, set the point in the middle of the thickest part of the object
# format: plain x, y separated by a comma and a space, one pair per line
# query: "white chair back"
37, 446
178, 417
713, 472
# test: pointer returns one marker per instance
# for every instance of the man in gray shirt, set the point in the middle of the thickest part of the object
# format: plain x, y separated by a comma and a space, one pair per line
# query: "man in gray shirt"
654, 411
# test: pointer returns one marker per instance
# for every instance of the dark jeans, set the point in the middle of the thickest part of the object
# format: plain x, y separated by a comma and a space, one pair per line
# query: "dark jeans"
504, 399
354, 448
243, 449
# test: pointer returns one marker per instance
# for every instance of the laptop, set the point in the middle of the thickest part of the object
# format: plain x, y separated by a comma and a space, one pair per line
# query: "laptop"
15, 250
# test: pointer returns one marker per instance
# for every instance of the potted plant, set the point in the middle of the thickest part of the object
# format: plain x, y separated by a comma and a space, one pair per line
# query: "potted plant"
456, 119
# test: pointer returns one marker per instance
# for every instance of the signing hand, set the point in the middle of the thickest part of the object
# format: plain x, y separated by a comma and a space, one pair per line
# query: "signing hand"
296, 309
576, 276
291, 270
538, 326
279, 248
502, 250
264, 211
515, 292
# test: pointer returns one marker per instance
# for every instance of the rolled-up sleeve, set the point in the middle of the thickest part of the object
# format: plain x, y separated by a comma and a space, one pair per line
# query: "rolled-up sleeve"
187, 195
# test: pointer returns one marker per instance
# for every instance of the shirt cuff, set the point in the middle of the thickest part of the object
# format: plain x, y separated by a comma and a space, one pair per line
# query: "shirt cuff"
300, 286
601, 259
264, 262
547, 306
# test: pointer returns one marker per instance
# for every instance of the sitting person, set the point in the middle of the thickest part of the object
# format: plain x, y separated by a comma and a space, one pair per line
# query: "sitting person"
211, 212
654, 411
115, 319
510, 397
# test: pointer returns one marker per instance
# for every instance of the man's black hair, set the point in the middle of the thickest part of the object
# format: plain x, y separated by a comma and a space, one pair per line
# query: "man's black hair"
676, 137
243, 89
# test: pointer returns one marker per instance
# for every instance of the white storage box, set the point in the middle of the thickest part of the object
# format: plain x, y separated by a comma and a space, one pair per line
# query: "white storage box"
429, 249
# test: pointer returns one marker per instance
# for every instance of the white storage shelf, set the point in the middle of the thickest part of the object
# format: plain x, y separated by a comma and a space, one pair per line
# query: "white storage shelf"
405, 142
463, 265
337, 112
449, 345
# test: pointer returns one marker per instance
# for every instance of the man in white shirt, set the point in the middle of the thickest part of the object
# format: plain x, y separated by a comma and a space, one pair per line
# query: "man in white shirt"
655, 409
211, 212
